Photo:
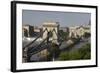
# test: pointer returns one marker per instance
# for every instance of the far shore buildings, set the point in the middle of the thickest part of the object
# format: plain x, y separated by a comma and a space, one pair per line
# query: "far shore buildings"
79, 31
31, 31
53, 29
64, 29
27, 30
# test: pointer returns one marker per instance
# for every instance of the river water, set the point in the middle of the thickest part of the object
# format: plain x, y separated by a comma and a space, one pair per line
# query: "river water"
77, 45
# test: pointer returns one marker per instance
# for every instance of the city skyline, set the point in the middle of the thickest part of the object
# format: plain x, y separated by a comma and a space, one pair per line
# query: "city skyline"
66, 19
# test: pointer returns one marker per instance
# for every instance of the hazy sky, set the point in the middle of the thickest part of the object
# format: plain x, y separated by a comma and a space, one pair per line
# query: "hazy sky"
37, 18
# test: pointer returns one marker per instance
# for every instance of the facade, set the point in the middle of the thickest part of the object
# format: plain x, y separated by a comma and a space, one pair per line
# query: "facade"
27, 30
64, 29
37, 31
78, 31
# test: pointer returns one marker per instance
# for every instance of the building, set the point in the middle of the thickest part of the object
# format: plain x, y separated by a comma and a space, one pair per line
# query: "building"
37, 31
78, 31
27, 30
64, 29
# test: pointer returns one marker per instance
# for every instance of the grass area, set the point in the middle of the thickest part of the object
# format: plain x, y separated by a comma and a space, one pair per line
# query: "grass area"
82, 53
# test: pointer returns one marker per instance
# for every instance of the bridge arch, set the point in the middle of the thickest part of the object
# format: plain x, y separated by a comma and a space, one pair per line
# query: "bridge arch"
53, 28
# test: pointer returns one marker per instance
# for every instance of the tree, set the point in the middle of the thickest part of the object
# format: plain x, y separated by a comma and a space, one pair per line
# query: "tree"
82, 53
63, 34
86, 35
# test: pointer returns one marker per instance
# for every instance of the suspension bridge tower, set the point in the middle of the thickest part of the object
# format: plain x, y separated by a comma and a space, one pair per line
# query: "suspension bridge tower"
52, 29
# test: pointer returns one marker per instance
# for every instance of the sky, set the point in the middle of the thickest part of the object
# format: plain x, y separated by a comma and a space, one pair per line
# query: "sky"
65, 19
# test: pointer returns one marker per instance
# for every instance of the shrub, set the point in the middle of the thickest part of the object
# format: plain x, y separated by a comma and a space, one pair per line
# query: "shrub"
82, 53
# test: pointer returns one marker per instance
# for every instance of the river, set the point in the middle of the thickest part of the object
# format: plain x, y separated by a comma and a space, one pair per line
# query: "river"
77, 45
